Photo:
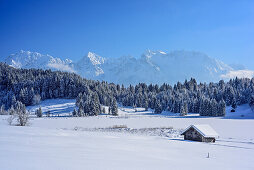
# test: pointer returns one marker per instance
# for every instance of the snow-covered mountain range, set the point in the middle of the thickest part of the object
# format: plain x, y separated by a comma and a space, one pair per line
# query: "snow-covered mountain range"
27, 59
152, 67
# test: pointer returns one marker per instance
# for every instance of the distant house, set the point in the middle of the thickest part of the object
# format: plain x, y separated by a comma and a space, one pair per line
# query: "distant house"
202, 133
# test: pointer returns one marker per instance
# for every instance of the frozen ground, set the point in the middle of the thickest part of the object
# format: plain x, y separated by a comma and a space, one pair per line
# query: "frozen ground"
62, 142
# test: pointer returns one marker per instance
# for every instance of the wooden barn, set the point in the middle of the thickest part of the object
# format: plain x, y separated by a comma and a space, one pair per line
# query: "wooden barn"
202, 133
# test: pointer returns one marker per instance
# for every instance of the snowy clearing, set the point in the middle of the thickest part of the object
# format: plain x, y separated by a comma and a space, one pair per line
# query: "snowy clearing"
74, 143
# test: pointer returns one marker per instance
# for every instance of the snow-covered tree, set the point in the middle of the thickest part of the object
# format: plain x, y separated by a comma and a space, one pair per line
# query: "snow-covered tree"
22, 114
182, 111
251, 102
38, 112
36, 99
158, 107
94, 105
114, 107
23, 84
222, 108
80, 112
109, 110
146, 105
103, 110
233, 105
2, 110
74, 113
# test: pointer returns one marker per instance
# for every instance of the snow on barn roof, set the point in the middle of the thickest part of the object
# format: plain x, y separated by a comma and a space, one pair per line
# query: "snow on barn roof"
205, 130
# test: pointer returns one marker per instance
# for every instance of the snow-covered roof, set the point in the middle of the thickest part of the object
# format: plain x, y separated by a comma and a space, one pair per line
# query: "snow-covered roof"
205, 130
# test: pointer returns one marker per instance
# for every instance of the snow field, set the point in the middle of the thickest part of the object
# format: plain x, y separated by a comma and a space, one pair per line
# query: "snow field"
52, 143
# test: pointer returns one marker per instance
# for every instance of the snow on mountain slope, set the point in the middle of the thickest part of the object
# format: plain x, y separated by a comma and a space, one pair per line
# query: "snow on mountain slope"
90, 66
181, 65
27, 59
152, 67
238, 73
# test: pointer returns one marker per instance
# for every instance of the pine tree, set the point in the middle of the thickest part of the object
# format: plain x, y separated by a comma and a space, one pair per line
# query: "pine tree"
80, 112
251, 103
94, 105
186, 110
176, 108
114, 108
214, 107
109, 110
222, 108
74, 113
38, 112
233, 105
13, 101
103, 110
146, 105
202, 110
182, 111
158, 108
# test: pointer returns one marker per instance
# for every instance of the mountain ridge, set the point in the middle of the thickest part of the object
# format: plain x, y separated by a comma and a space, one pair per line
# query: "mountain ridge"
156, 67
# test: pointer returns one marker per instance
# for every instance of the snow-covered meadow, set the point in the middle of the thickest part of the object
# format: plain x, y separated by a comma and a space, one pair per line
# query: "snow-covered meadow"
66, 142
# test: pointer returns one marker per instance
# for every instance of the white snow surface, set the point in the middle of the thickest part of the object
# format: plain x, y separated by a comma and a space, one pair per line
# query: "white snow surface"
155, 67
205, 130
56, 143
239, 74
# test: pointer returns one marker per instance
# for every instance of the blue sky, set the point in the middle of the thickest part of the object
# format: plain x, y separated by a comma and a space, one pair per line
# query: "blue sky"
112, 28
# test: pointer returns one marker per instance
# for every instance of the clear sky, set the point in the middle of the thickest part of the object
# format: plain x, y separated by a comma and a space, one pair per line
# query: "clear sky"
112, 28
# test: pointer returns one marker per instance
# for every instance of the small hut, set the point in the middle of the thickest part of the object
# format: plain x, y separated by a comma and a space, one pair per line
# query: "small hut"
202, 133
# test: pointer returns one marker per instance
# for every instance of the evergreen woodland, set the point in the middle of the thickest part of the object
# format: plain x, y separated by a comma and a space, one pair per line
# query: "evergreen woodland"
29, 86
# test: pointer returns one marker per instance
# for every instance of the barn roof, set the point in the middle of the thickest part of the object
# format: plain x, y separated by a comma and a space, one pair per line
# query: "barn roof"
205, 130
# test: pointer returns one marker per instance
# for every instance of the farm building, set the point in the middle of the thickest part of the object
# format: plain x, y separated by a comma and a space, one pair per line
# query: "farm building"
202, 133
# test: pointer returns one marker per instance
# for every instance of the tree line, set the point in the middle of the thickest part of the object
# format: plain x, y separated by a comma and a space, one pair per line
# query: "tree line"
29, 86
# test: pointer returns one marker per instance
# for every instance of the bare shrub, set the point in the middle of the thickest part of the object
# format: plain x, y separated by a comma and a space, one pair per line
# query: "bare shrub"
10, 119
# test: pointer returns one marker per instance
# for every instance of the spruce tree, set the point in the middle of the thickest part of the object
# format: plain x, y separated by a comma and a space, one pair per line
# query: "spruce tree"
80, 112
103, 110
158, 107
94, 105
74, 113
186, 110
114, 108
233, 105
38, 112
182, 111
222, 108
214, 107
251, 102
146, 105
109, 110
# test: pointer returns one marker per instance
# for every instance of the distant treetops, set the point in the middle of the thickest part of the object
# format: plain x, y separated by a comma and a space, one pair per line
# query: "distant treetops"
29, 86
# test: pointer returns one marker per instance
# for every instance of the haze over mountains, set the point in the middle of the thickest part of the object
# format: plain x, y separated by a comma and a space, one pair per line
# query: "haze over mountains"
152, 67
